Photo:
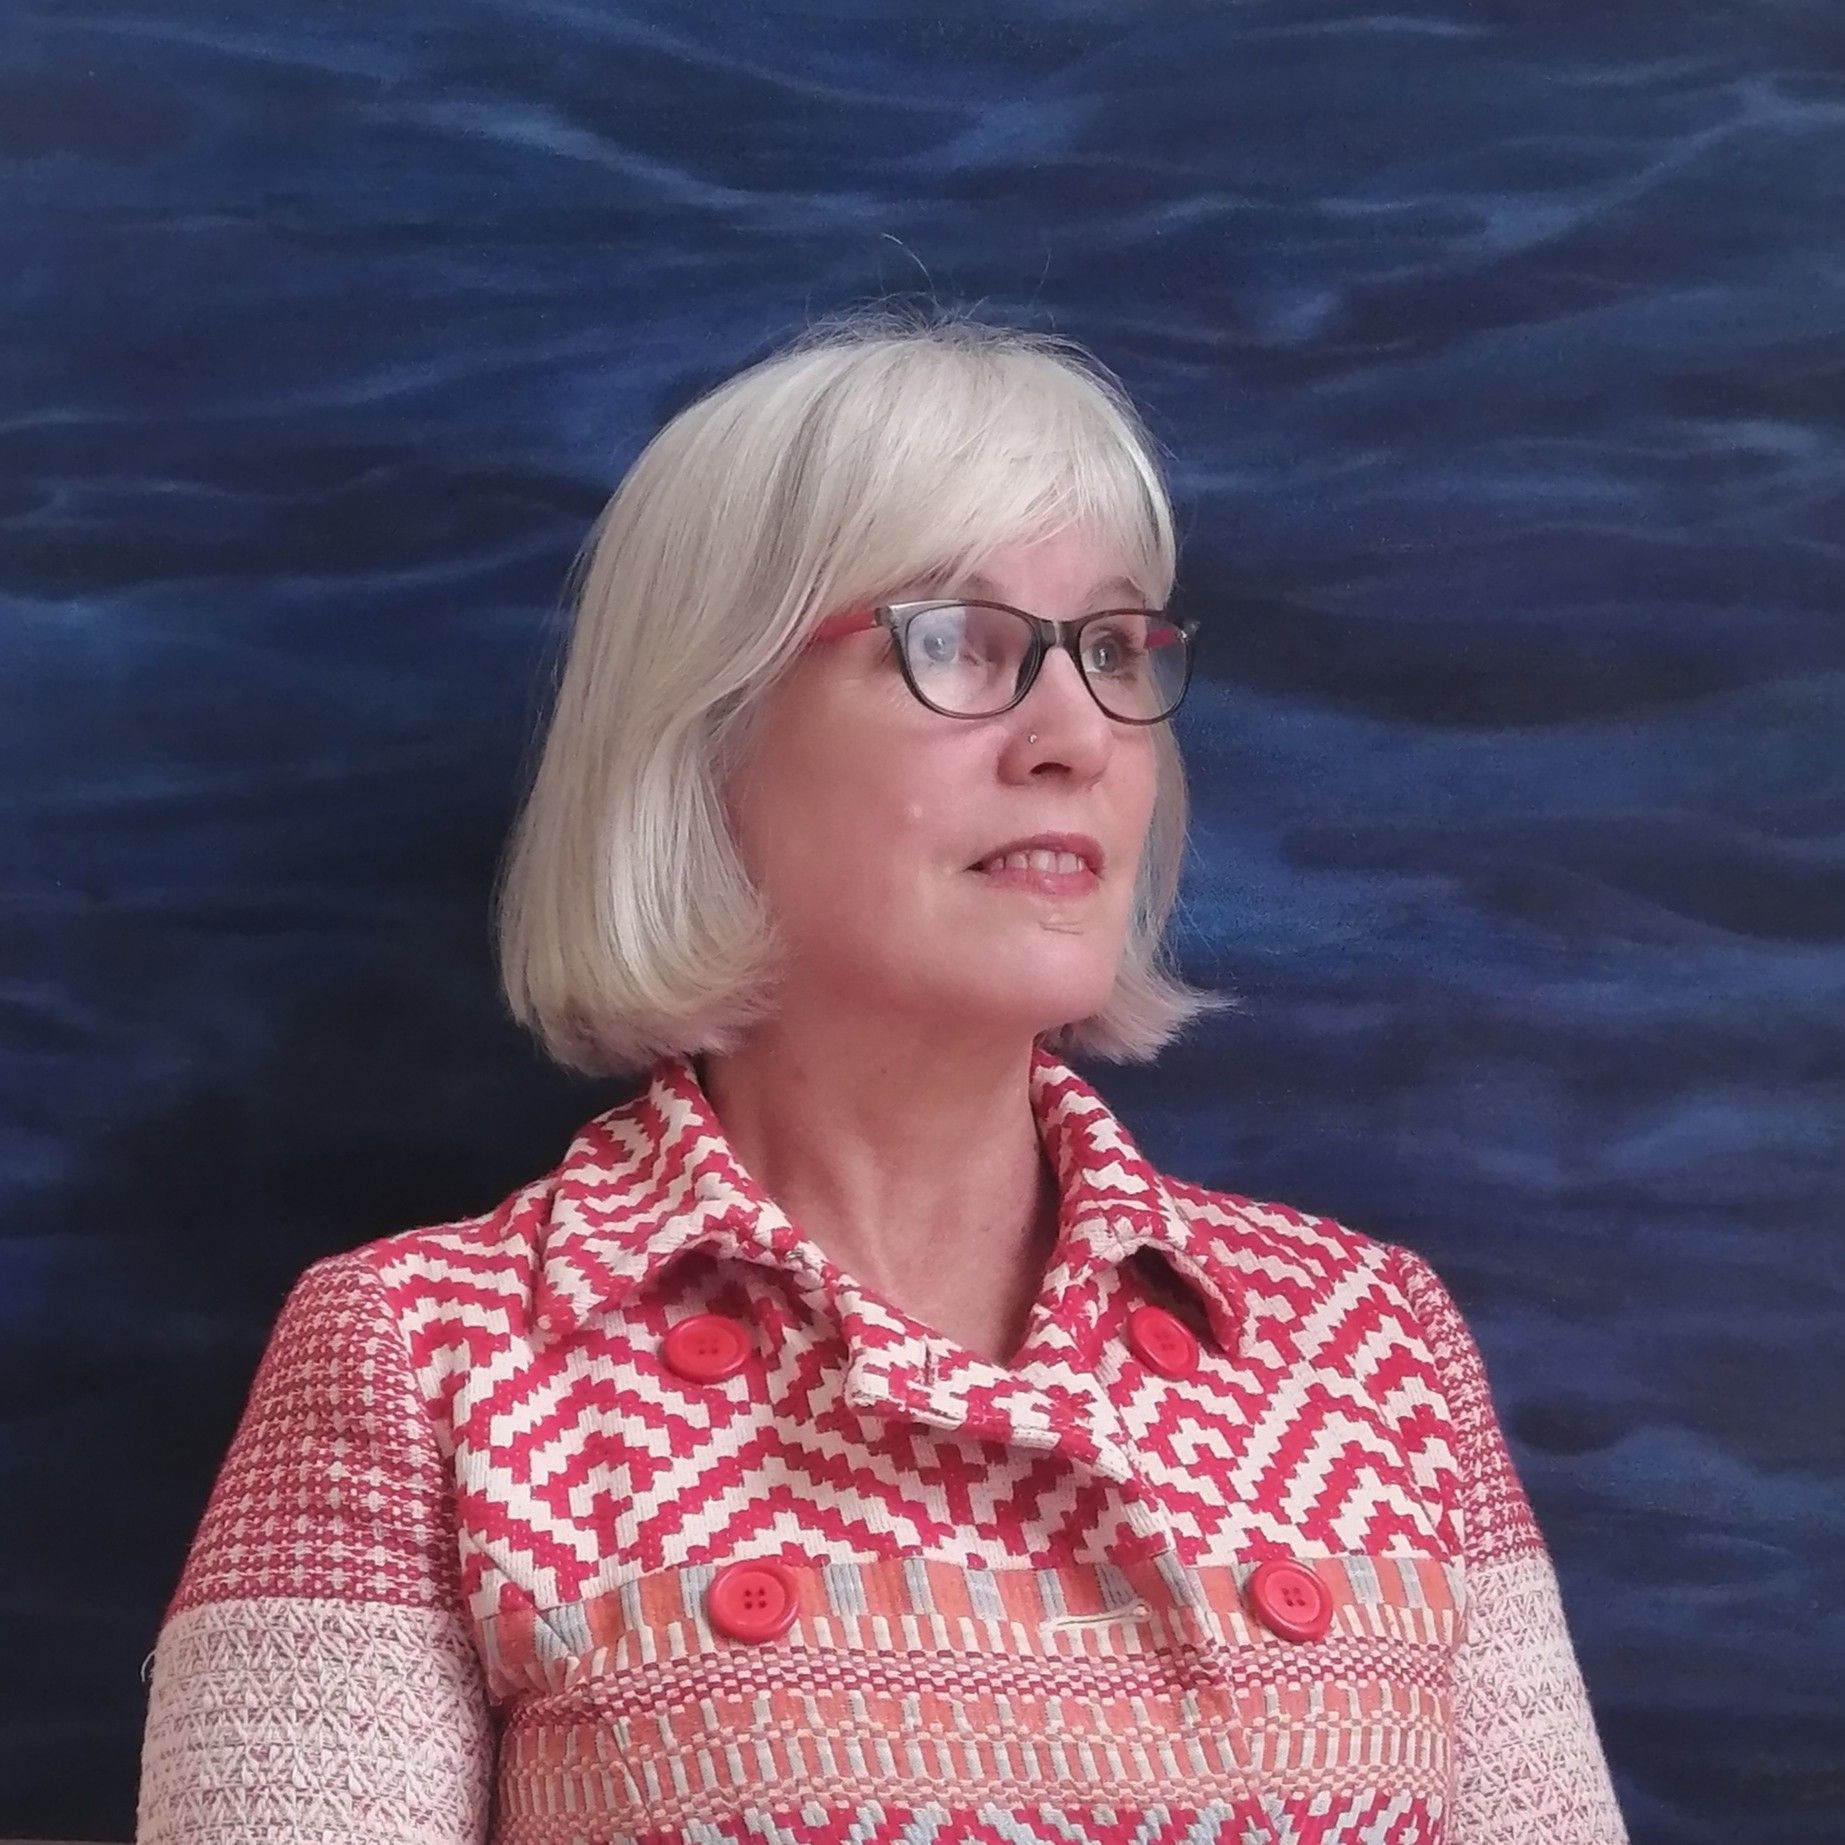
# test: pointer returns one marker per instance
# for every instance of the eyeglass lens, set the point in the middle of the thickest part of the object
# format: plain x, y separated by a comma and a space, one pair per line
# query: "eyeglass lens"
967, 658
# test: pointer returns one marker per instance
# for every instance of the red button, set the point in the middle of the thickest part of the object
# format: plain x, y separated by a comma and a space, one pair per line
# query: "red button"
1290, 1598
753, 1600
707, 1346
1162, 1340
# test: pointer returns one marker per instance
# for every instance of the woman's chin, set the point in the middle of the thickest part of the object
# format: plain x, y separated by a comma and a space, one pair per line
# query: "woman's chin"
1029, 1006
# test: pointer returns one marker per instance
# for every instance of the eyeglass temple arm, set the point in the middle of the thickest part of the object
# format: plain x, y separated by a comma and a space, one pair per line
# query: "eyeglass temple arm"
848, 621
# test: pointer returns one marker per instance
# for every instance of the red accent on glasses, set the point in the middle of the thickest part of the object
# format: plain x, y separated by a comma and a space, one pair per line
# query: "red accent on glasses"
851, 621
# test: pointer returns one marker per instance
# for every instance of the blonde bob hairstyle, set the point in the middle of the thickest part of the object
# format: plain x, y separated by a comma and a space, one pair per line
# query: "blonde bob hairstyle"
876, 449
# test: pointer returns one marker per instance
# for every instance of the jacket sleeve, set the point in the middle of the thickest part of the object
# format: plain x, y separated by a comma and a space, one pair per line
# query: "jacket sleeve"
1529, 1768
314, 1680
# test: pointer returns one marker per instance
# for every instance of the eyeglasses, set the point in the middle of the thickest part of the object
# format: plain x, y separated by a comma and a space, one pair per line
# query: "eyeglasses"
978, 659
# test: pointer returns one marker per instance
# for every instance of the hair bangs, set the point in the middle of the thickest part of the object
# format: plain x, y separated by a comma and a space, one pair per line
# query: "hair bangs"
957, 454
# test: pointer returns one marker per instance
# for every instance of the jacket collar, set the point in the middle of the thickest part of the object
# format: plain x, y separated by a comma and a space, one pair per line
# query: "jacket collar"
655, 1178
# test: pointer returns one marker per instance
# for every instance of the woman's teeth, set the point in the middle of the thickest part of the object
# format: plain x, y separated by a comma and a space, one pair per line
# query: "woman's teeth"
1033, 861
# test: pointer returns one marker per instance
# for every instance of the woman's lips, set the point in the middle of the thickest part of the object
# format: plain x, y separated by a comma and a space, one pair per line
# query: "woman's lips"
1077, 883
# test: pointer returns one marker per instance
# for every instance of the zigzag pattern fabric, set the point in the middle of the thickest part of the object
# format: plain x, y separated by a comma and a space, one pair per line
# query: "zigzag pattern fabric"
462, 1577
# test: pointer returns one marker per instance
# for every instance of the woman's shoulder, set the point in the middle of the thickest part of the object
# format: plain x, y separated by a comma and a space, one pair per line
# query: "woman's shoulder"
483, 1260
1312, 1253
1312, 1290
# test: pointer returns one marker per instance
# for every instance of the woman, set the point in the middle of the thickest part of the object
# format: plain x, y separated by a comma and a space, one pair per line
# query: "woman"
854, 1435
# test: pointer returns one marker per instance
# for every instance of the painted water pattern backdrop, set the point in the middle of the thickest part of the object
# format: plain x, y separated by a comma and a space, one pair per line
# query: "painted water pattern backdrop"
1498, 350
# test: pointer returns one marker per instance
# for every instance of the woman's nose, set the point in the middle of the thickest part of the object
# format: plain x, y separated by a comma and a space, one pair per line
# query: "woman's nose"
1059, 708
1067, 693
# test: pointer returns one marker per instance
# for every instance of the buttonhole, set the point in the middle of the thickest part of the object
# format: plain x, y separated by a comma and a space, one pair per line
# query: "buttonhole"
1129, 1611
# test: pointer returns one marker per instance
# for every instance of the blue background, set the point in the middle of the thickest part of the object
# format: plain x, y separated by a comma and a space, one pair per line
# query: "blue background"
1498, 347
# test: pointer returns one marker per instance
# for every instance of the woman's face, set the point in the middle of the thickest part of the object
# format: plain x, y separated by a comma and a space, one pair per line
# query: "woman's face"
864, 813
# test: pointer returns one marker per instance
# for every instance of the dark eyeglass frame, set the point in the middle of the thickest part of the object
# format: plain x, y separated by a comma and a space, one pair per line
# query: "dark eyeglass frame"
1046, 634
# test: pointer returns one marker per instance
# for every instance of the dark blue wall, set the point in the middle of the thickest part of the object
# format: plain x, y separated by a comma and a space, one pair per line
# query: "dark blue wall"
1499, 348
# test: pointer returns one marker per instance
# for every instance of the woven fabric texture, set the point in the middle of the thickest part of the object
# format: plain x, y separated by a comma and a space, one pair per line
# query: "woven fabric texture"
453, 1584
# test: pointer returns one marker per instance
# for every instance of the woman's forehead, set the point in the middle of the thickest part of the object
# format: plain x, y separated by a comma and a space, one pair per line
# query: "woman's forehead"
1103, 560
978, 583
1114, 583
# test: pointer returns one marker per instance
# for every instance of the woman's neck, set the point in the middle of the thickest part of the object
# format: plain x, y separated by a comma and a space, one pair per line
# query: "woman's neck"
922, 1178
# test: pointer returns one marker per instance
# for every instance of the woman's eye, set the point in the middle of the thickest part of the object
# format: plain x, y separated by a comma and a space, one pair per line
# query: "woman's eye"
1116, 651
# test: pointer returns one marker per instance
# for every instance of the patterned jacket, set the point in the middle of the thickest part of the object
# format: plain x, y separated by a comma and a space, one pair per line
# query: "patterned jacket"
621, 1513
